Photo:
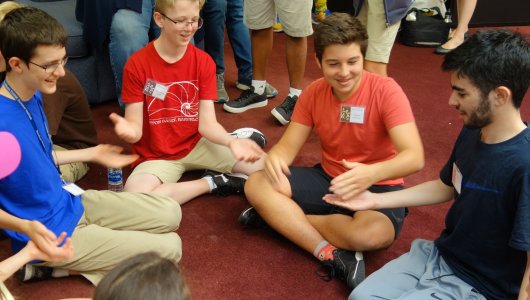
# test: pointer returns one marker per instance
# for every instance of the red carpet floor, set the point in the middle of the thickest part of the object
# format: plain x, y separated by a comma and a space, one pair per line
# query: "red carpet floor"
221, 260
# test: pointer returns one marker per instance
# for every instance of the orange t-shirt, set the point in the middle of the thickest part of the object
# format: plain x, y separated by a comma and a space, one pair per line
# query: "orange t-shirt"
367, 141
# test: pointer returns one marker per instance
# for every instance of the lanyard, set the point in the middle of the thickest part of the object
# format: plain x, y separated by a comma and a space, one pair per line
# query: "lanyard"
32, 121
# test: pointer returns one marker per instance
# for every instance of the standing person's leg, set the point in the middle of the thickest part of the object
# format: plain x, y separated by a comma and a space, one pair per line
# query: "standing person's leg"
240, 41
380, 36
296, 24
465, 8
119, 225
214, 14
129, 31
259, 16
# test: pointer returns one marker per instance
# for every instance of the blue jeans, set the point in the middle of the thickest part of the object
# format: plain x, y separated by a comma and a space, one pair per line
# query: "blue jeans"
217, 13
129, 32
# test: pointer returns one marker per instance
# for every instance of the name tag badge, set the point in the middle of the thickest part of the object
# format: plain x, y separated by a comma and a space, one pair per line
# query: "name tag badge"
457, 178
352, 114
155, 89
72, 188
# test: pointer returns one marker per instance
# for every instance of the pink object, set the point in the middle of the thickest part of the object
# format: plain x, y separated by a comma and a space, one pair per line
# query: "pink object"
9, 153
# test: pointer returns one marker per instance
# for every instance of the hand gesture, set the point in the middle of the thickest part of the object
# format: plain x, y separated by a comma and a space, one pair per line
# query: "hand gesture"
124, 130
57, 253
363, 201
46, 242
350, 183
276, 169
245, 149
110, 156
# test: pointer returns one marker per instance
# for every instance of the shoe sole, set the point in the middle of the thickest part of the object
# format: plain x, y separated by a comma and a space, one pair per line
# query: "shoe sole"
238, 110
279, 117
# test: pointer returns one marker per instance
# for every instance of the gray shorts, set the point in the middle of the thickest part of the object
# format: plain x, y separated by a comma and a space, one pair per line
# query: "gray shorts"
295, 15
309, 185
420, 273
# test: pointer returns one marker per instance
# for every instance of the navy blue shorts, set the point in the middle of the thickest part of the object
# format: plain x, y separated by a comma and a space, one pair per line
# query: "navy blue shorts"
310, 184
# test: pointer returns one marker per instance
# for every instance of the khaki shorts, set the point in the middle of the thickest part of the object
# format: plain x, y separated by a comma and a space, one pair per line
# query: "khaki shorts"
205, 155
380, 37
116, 226
295, 15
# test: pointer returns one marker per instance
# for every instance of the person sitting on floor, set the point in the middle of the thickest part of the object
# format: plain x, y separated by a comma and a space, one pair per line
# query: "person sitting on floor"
68, 113
168, 90
9, 161
105, 227
484, 250
369, 141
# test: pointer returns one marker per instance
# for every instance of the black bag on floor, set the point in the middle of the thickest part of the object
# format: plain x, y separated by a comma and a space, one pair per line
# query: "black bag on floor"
424, 27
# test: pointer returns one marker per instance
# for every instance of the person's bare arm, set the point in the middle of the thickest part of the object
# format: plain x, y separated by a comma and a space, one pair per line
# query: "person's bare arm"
285, 151
409, 159
524, 292
427, 193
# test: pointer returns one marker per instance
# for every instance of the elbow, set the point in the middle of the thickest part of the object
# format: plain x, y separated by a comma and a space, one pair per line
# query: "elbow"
418, 162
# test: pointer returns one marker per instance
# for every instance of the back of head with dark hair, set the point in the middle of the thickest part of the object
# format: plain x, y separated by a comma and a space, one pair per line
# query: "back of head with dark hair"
144, 276
24, 29
493, 58
339, 29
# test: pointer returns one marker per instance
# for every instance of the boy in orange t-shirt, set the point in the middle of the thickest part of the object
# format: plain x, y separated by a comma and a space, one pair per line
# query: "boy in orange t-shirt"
369, 141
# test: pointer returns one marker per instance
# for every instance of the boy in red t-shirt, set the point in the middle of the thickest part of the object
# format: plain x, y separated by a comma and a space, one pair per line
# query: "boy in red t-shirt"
168, 90
369, 141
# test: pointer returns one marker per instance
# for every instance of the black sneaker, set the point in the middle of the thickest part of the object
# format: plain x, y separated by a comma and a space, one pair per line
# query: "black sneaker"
227, 184
247, 100
251, 133
284, 111
250, 218
33, 273
346, 265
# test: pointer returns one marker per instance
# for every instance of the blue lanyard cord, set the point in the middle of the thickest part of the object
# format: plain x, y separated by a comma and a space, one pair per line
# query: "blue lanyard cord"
32, 121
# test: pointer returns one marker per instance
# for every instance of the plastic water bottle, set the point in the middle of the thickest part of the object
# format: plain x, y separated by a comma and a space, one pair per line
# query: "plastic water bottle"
115, 179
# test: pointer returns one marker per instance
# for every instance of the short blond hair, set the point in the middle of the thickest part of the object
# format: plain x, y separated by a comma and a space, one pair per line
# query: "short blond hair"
163, 5
7, 6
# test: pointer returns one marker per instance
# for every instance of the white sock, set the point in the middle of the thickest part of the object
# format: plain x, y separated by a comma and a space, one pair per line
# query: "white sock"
211, 184
259, 86
56, 273
294, 92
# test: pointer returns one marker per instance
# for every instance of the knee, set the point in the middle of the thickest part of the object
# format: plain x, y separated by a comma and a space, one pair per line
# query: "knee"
170, 247
254, 181
372, 238
170, 214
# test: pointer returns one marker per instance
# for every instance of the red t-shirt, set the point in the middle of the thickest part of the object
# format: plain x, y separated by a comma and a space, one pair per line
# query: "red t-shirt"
385, 106
170, 126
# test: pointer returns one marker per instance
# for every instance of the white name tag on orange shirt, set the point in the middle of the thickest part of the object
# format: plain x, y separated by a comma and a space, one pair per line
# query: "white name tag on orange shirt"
352, 114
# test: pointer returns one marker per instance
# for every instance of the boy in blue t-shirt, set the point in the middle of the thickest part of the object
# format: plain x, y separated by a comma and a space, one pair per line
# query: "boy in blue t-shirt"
484, 250
104, 227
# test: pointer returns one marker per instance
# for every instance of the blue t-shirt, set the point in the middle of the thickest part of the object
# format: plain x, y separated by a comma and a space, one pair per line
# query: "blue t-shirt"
34, 190
487, 229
